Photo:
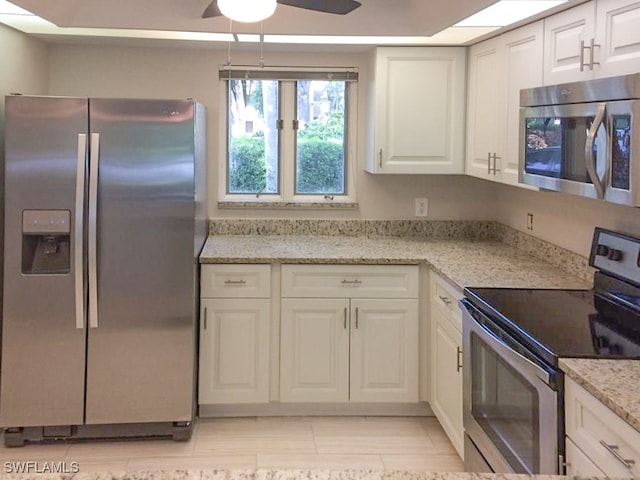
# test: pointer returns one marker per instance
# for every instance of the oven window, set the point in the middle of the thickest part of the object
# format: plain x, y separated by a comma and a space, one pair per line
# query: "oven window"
556, 147
506, 407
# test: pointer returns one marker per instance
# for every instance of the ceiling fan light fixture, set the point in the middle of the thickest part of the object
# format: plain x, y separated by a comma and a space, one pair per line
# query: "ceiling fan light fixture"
247, 11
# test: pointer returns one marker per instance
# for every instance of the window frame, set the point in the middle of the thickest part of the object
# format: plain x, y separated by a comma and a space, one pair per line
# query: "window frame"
287, 137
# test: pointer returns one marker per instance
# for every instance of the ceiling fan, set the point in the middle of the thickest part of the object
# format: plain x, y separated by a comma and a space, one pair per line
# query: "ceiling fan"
338, 7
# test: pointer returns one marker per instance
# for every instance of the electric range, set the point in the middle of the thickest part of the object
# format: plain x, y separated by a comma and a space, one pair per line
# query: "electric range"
513, 339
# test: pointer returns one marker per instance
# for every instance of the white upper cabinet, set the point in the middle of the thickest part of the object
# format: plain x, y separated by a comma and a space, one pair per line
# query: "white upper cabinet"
498, 69
417, 123
618, 30
593, 40
523, 69
564, 35
485, 121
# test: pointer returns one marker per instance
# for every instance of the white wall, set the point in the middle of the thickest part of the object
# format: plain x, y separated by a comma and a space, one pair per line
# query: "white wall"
23, 68
565, 220
165, 72
178, 73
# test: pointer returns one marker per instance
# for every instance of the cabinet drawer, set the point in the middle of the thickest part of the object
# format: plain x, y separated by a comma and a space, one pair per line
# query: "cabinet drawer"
445, 297
235, 281
591, 425
350, 281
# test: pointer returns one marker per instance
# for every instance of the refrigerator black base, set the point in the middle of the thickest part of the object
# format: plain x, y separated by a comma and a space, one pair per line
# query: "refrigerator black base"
178, 431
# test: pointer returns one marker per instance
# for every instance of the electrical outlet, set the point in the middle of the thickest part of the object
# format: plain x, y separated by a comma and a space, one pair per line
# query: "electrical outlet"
422, 207
530, 221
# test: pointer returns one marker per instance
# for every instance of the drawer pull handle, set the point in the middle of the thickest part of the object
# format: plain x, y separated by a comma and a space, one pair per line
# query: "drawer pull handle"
345, 318
446, 300
357, 317
459, 359
351, 282
235, 282
613, 450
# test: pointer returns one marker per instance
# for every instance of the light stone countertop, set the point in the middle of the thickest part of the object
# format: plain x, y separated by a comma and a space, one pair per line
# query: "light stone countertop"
282, 475
616, 383
465, 263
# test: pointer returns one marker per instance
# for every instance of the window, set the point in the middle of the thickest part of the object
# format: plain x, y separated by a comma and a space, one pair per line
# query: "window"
289, 136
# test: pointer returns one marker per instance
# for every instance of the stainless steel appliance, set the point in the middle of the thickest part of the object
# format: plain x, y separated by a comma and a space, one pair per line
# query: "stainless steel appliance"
104, 221
582, 138
512, 339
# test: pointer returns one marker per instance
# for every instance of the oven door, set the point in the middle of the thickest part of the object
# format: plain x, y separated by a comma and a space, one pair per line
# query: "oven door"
511, 406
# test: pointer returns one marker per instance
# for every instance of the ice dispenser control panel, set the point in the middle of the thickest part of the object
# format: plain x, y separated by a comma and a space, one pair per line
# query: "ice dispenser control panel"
38, 222
46, 240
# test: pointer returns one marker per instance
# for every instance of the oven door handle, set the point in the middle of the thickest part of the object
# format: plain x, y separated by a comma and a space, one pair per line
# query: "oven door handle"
509, 354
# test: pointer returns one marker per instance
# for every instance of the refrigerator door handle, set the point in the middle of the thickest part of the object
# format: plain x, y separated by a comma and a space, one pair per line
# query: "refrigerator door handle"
77, 230
93, 237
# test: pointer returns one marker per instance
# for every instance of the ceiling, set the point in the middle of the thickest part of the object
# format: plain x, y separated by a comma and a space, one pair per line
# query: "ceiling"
378, 18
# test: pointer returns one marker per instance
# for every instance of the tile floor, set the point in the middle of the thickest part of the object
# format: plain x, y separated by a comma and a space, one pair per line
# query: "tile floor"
378, 443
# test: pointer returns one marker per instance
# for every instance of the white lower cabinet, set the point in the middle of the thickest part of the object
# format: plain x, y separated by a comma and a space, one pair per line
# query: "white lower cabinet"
595, 433
349, 349
446, 359
578, 464
384, 350
314, 350
234, 335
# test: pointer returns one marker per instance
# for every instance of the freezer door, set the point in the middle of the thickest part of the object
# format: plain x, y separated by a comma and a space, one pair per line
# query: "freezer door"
141, 351
43, 331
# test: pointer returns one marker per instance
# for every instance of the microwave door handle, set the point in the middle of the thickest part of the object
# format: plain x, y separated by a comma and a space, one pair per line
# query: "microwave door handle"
598, 183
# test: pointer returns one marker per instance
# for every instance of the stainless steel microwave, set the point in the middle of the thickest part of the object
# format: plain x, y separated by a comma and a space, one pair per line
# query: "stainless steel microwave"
583, 138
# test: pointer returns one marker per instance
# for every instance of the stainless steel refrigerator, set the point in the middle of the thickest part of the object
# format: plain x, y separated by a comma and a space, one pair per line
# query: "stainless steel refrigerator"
104, 221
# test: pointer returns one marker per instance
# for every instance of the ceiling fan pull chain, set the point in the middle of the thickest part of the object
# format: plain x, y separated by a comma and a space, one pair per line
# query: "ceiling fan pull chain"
261, 44
229, 43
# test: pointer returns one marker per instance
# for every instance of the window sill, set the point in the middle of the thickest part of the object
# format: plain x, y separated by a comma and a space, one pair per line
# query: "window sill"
289, 205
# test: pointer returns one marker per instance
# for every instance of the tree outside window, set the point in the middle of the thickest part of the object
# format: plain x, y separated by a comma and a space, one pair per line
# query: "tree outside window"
316, 151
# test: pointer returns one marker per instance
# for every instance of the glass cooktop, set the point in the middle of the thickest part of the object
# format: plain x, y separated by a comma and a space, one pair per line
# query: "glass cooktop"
565, 323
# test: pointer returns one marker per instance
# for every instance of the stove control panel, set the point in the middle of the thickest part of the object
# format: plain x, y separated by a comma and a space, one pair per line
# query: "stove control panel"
617, 254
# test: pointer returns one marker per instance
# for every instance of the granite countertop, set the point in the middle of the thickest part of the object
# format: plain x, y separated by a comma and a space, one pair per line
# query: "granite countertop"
482, 263
283, 475
616, 383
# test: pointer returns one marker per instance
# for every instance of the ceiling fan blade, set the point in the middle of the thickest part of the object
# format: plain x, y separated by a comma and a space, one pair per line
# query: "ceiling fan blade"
212, 10
338, 7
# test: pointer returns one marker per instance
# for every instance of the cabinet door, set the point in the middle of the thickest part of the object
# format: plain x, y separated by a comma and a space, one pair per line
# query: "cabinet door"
578, 464
446, 377
618, 34
384, 350
314, 350
485, 122
419, 110
523, 69
234, 351
611, 443
563, 33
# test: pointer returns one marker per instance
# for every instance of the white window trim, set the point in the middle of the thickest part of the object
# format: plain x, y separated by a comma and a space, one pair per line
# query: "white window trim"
287, 197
